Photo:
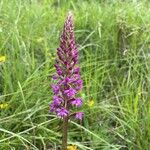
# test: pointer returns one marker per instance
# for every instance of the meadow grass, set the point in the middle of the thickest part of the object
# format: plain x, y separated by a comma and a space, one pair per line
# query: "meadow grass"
113, 41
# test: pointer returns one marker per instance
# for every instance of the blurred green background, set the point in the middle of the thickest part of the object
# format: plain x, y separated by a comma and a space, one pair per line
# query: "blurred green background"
114, 45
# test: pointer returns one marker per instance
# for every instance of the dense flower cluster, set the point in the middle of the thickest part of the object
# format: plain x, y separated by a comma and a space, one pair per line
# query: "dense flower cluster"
67, 80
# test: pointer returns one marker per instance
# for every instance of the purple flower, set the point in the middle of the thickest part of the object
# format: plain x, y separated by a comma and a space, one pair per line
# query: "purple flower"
55, 89
54, 77
79, 115
78, 84
59, 69
52, 107
62, 112
70, 92
76, 102
56, 103
67, 81
67, 77
57, 100
76, 70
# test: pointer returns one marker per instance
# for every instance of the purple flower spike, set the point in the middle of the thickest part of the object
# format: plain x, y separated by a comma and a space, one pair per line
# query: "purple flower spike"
79, 115
67, 79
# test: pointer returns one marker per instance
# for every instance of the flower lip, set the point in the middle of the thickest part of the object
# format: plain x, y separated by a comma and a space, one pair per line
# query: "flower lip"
79, 115
57, 100
55, 77
55, 88
76, 102
76, 70
62, 112
70, 92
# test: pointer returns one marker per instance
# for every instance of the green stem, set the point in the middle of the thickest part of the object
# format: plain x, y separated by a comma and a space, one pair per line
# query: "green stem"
64, 133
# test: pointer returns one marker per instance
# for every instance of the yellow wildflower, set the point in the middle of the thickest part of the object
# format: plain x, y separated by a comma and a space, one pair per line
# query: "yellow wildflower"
2, 58
90, 103
72, 147
3, 106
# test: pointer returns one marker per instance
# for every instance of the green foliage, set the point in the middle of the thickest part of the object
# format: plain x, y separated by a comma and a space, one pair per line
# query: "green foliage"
114, 42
